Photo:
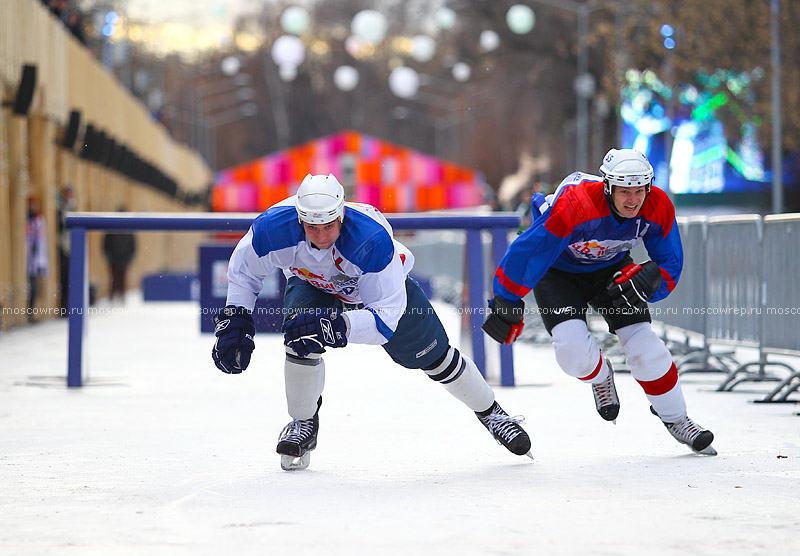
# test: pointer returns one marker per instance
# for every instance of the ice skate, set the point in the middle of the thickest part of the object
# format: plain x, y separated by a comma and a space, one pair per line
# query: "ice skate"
688, 432
506, 430
605, 396
296, 441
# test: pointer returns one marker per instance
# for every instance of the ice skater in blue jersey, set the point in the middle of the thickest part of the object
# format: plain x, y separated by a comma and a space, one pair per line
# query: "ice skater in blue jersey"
576, 253
347, 282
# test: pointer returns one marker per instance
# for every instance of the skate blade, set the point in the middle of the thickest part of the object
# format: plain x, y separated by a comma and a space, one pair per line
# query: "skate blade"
292, 463
708, 451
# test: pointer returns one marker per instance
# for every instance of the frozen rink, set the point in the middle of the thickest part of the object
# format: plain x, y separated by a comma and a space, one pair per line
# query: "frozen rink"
162, 454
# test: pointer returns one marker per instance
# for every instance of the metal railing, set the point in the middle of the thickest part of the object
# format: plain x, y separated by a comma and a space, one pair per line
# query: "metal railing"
473, 224
737, 290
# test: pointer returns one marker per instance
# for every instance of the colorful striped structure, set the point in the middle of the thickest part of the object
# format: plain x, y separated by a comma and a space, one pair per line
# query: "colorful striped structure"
390, 177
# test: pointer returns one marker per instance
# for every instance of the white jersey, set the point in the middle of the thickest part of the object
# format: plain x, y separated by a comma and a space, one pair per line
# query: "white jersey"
365, 265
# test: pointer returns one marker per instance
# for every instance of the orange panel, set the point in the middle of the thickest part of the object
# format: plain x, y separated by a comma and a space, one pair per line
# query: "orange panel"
422, 199
243, 173
352, 141
301, 167
450, 173
388, 199
218, 199
368, 171
268, 196
437, 197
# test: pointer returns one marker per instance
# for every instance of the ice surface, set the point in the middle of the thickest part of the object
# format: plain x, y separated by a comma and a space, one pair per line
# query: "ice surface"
162, 454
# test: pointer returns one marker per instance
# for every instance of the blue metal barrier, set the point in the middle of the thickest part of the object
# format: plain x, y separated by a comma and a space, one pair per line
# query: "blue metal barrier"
81, 222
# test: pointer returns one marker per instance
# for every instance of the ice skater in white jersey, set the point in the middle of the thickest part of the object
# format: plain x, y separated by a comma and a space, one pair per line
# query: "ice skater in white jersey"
347, 282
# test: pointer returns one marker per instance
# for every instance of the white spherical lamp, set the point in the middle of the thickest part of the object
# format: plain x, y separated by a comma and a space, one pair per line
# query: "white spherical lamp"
345, 78
370, 25
520, 19
404, 82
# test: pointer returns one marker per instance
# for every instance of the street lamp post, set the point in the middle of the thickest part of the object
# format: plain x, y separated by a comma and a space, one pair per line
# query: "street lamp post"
584, 81
777, 155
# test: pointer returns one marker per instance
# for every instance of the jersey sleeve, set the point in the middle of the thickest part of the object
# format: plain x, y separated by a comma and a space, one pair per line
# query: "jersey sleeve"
384, 296
530, 255
246, 273
663, 242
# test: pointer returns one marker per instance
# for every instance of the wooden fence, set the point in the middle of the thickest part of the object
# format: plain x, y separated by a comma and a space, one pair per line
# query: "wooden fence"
33, 161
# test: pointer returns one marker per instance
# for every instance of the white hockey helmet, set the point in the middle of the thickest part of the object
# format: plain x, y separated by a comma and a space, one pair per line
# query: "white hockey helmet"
320, 199
626, 168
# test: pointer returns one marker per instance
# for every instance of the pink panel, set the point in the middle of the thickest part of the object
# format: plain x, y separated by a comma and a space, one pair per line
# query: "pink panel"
248, 197
368, 193
338, 144
418, 169
284, 174
230, 199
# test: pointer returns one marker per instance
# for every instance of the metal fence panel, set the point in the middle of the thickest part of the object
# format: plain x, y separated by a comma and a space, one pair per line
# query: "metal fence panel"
781, 264
680, 308
733, 273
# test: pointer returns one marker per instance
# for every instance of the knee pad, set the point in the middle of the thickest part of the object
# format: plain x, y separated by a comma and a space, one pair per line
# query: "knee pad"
577, 352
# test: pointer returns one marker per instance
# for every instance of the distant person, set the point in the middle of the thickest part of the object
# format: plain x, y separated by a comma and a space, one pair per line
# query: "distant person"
577, 253
119, 249
38, 261
348, 282
74, 21
524, 209
65, 203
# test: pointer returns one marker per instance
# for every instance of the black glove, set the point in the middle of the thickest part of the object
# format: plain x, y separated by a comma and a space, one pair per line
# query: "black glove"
634, 285
505, 321
311, 331
234, 329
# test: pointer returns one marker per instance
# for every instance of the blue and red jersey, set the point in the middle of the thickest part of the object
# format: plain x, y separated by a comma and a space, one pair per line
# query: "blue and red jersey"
575, 231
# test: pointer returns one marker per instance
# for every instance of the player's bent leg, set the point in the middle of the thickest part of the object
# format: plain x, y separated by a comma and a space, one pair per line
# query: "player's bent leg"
461, 378
578, 355
652, 367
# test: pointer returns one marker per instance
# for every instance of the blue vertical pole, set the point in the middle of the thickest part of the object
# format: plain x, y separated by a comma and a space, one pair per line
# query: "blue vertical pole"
476, 301
78, 294
499, 246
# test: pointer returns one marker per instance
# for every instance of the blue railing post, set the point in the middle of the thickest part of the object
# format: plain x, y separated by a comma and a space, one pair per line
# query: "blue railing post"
499, 246
78, 294
476, 292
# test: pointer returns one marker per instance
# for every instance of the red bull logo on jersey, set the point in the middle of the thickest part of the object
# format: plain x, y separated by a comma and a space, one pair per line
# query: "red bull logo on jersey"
594, 250
305, 273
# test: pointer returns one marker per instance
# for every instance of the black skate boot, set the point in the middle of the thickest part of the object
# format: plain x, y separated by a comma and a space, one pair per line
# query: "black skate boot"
605, 396
506, 430
296, 441
686, 431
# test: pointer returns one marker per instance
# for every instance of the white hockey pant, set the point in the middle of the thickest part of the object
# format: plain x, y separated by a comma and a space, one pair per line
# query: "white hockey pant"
578, 355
